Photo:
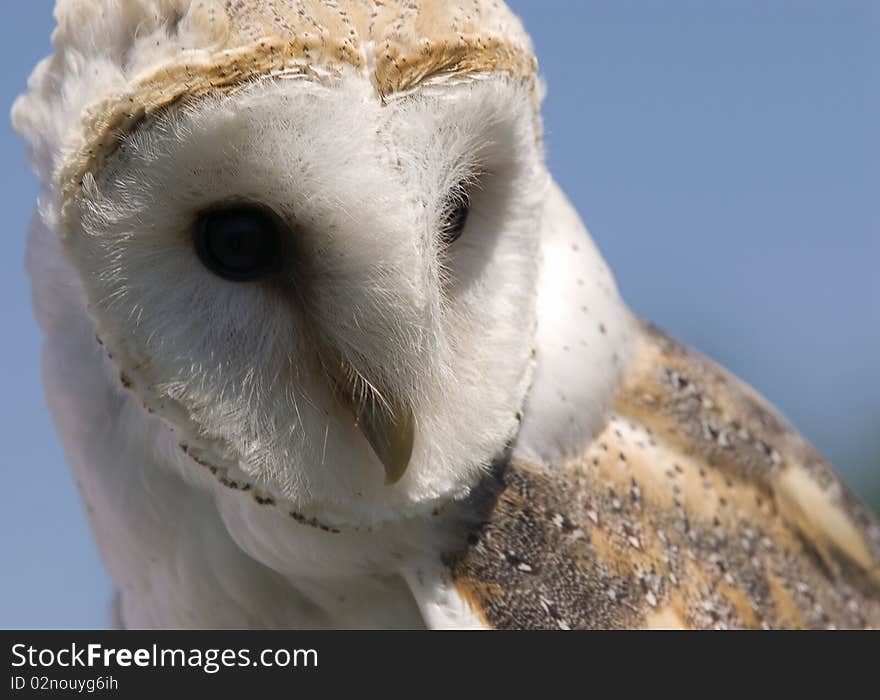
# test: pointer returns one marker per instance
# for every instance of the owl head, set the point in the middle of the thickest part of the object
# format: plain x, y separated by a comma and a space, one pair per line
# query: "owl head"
306, 233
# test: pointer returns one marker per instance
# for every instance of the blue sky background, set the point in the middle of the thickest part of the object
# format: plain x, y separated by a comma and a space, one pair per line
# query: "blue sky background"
725, 157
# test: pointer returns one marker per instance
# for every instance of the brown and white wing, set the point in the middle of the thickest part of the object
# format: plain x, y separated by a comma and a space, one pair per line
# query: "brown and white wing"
695, 506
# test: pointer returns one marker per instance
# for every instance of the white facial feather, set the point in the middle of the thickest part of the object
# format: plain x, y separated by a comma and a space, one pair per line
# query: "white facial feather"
237, 368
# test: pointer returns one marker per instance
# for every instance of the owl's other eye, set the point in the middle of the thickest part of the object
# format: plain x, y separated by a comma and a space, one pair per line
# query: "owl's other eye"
241, 243
456, 218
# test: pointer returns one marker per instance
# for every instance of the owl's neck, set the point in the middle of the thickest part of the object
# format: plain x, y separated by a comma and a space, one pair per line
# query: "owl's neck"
584, 339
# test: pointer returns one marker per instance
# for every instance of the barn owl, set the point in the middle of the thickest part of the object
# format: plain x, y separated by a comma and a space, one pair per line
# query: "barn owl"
327, 347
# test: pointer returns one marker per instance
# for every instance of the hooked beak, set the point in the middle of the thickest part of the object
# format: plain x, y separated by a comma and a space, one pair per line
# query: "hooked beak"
390, 433
387, 426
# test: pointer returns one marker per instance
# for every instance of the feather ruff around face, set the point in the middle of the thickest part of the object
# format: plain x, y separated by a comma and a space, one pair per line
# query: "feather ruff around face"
240, 371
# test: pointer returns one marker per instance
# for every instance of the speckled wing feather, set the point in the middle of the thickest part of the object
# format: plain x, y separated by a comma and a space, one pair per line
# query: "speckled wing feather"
696, 506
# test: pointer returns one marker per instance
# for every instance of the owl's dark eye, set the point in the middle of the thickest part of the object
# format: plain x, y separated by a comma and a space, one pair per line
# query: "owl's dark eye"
239, 243
456, 218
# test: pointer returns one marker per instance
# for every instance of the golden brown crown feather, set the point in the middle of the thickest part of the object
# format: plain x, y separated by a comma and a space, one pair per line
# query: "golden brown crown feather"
209, 46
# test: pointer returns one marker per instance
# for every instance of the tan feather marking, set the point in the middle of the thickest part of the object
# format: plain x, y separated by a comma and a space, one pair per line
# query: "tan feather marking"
744, 608
807, 505
647, 478
786, 607
667, 618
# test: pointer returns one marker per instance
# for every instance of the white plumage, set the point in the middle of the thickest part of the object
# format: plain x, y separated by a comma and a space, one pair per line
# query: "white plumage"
227, 437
